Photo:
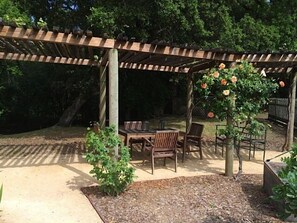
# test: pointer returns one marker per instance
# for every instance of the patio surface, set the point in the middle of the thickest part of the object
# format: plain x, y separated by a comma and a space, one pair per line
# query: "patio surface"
42, 177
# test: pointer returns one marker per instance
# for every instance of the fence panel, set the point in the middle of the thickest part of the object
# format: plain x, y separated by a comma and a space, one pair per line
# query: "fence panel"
278, 110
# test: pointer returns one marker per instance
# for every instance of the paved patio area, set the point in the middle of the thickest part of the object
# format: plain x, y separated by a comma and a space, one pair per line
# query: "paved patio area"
42, 179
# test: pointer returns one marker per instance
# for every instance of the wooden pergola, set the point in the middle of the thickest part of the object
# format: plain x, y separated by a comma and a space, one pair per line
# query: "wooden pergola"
82, 48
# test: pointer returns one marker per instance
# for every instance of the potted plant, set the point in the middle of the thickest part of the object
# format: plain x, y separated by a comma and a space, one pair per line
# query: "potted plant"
285, 191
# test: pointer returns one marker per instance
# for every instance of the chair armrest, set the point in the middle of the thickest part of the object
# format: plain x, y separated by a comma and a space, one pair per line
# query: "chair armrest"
193, 137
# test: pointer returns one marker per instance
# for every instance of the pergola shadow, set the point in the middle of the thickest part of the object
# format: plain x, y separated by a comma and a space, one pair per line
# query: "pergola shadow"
27, 155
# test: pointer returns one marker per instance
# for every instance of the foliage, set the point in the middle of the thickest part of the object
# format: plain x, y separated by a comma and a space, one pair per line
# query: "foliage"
238, 25
10, 11
286, 193
41, 23
238, 92
114, 175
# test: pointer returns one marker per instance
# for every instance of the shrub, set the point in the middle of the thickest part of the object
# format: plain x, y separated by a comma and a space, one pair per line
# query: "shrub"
287, 192
113, 173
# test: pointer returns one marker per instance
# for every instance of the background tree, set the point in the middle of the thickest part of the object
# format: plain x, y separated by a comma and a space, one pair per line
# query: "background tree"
241, 25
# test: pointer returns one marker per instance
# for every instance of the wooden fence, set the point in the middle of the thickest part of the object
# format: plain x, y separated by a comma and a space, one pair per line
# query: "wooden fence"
278, 110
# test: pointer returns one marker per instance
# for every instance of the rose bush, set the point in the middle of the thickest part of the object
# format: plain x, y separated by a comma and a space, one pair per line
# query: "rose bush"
239, 91
236, 94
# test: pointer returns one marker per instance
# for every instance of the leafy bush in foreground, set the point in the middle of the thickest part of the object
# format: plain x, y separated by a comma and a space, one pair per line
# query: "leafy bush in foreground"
113, 173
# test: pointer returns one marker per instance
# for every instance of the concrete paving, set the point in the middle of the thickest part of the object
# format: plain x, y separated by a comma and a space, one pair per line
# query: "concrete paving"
42, 185
42, 180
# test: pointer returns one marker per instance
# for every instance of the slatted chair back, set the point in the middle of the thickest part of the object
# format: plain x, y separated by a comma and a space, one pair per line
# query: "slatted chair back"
133, 125
163, 146
196, 129
165, 140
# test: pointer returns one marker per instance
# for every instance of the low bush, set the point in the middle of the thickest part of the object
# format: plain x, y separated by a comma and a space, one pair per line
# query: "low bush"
286, 193
113, 173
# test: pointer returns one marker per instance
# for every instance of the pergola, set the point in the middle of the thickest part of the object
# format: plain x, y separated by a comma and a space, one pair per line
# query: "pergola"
82, 48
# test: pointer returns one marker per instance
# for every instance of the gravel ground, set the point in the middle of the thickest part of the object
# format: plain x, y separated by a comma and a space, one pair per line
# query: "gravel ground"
212, 198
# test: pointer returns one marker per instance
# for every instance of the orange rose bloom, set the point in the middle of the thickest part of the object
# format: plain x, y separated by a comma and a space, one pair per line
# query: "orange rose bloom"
222, 66
233, 79
281, 84
216, 74
210, 115
223, 82
203, 85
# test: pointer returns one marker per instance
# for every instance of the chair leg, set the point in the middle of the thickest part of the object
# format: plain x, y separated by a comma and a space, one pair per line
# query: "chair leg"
201, 155
254, 151
131, 148
152, 163
175, 162
250, 149
184, 151
264, 149
164, 161
216, 145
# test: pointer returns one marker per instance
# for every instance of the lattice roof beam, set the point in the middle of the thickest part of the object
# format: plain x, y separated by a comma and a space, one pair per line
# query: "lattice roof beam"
47, 59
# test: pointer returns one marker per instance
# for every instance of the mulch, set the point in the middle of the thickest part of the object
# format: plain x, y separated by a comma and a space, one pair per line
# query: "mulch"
211, 198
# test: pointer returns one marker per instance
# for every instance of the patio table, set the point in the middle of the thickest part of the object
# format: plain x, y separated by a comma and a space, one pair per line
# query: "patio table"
135, 133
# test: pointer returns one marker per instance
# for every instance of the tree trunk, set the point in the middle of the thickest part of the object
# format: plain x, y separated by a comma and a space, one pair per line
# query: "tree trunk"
230, 143
69, 114
291, 112
229, 151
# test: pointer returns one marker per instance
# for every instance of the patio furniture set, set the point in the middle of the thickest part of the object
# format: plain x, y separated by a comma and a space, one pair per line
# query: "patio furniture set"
164, 142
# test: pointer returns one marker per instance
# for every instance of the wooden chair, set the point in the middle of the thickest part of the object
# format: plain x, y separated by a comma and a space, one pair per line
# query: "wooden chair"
163, 146
192, 140
220, 139
133, 125
254, 142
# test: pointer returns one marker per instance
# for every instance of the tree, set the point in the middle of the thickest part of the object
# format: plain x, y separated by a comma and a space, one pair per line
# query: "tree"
237, 94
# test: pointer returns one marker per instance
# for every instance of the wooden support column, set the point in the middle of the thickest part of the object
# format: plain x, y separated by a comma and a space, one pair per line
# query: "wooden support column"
190, 101
102, 97
113, 88
291, 116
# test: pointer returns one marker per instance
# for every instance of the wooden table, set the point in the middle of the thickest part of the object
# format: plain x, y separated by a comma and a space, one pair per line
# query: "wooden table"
136, 134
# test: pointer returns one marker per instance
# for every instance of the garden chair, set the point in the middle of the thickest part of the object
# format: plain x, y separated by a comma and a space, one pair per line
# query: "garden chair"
192, 140
164, 146
220, 139
254, 142
133, 125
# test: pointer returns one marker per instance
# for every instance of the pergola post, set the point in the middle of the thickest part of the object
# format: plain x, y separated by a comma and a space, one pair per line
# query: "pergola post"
291, 117
114, 91
190, 101
102, 97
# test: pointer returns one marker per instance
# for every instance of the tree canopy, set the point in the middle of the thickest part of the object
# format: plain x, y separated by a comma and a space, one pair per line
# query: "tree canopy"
241, 25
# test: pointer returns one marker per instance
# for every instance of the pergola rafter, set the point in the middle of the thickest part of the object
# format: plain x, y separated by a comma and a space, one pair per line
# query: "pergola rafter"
69, 48
36, 45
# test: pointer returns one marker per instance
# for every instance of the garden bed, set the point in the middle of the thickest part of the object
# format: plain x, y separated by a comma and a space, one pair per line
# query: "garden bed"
213, 198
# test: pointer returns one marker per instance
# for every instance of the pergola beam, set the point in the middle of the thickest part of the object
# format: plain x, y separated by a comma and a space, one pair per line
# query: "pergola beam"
47, 59
97, 42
